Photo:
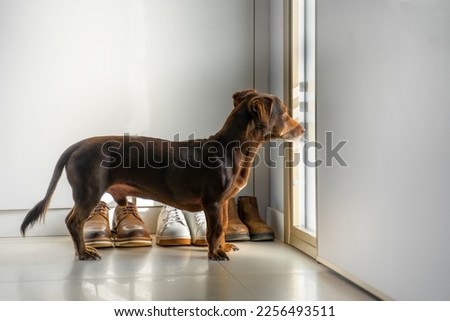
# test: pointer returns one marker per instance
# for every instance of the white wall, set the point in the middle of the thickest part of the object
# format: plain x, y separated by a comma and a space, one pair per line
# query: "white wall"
259, 180
276, 88
73, 69
383, 73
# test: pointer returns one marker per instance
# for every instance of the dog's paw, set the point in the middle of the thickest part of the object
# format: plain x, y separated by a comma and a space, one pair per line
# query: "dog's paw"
90, 254
219, 255
229, 247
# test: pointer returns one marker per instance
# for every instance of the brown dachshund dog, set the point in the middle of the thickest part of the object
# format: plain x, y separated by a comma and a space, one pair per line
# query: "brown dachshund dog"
194, 175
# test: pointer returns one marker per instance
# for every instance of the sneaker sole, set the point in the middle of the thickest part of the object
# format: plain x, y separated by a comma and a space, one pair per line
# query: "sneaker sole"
199, 242
172, 242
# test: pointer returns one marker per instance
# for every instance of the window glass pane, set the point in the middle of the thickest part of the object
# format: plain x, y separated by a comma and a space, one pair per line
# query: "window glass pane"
305, 111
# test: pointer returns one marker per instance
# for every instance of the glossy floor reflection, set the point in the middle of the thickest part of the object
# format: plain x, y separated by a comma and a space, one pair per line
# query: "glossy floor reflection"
44, 268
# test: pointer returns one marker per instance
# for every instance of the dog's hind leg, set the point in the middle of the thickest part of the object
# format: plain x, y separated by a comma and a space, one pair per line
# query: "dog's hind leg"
87, 180
75, 223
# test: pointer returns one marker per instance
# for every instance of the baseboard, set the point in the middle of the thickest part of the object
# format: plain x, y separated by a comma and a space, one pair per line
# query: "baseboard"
354, 279
275, 219
52, 225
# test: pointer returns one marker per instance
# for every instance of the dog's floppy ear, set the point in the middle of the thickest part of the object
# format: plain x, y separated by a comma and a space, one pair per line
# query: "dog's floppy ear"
261, 109
239, 96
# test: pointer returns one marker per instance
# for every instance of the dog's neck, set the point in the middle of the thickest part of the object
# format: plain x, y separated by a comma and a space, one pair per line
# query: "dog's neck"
240, 126
241, 139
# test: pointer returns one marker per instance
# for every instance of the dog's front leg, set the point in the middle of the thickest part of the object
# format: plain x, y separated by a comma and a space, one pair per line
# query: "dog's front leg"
227, 247
215, 230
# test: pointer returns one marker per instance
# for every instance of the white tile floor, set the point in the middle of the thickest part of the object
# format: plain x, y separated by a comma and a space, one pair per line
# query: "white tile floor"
44, 268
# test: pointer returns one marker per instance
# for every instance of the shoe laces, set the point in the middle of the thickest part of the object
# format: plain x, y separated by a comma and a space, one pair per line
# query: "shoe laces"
173, 216
101, 209
200, 218
129, 209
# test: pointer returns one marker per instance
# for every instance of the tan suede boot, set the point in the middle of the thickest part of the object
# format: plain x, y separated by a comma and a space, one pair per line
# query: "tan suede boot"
236, 230
249, 214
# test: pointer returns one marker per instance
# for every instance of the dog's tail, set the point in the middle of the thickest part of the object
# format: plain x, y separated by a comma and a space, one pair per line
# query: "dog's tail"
38, 211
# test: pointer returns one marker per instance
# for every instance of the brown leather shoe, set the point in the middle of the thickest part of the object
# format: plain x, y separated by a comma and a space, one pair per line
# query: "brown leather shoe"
129, 228
249, 214
96, 230
236, 230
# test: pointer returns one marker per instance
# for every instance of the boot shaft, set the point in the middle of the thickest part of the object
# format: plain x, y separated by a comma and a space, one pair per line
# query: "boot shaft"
248, 209
236, 230
232, 210
249, 215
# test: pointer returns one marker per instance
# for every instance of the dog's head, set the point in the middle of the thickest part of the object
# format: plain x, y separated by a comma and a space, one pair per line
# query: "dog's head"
269, 115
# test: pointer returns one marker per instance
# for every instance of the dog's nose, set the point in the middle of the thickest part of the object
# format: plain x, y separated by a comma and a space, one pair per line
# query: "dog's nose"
295, 132
301, 128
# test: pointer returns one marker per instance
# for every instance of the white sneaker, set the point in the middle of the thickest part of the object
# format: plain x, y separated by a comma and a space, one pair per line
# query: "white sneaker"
172, 228
197, 225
